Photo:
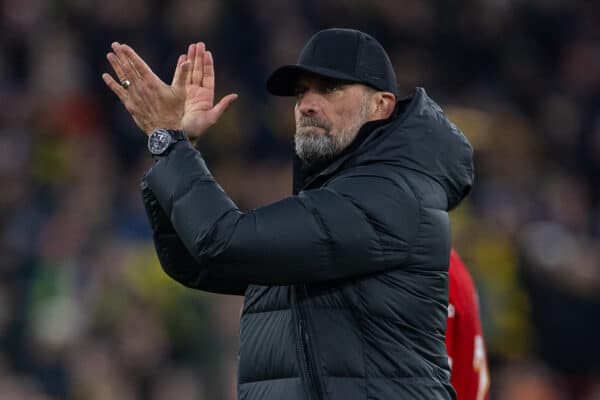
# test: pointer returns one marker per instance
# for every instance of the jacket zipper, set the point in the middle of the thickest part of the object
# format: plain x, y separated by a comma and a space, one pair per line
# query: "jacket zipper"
307, 359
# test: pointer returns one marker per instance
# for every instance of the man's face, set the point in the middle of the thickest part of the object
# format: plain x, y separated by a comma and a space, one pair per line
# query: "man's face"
328, 115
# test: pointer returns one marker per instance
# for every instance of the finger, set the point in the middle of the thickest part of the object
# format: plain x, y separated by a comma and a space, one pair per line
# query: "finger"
178, 78
208, 79
115, 87
116, 66
113, 46
186, 72
138, 63
182, 59
198, 64
128, 68
222, 105
190, 57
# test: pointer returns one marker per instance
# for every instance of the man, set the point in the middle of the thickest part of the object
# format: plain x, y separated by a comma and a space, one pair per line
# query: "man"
464, 337
345, 282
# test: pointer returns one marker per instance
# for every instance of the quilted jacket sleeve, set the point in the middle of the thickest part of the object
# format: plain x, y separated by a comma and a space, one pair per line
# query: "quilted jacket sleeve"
358, 224
175, 258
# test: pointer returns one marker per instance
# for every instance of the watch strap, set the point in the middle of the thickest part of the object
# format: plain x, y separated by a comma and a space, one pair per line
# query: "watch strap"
177, 135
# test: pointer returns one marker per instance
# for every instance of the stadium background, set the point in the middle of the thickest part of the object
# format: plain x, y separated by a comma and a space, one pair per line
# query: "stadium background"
86, 312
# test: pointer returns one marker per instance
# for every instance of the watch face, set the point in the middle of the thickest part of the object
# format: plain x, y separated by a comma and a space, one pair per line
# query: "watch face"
158, 141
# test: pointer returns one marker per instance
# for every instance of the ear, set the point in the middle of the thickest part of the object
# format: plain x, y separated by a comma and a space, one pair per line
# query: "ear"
385, 102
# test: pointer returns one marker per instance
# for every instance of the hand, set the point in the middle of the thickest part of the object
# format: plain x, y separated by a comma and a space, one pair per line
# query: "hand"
152, 103
199, 112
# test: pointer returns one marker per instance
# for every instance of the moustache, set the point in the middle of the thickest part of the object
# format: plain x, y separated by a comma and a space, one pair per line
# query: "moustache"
313, 122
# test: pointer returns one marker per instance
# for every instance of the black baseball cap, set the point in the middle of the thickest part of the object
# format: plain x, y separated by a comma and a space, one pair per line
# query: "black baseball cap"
345, 54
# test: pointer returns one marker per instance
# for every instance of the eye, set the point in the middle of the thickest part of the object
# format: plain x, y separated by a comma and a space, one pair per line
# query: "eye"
331, 87
299, 91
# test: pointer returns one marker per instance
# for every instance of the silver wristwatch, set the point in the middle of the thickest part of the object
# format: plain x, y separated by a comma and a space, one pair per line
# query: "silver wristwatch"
161, 139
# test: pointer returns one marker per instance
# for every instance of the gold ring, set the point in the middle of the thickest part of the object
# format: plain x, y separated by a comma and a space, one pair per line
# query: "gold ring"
126, 83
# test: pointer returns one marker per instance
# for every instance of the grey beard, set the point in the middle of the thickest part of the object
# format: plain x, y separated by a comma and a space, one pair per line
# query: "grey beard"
311, 147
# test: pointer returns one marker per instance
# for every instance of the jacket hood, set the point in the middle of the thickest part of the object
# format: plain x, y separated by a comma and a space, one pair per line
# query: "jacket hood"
419, 138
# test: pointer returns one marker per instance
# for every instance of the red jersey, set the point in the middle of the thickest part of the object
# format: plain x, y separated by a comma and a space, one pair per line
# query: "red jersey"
464, 338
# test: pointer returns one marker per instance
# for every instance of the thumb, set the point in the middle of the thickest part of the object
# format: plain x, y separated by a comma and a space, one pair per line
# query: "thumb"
222, 105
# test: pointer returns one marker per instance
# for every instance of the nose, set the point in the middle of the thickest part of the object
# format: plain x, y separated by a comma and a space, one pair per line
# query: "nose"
308, 103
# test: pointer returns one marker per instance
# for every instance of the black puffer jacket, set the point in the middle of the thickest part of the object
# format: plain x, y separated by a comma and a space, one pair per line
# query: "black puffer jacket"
346, 281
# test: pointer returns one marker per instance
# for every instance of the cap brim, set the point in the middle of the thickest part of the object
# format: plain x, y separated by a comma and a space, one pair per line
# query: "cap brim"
283, 80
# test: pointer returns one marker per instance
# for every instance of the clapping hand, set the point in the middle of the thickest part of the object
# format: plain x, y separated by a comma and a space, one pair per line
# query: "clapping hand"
200, 112
152, 103
186, 104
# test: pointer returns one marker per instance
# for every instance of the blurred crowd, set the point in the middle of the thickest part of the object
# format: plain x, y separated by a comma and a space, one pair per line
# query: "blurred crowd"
87, 313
